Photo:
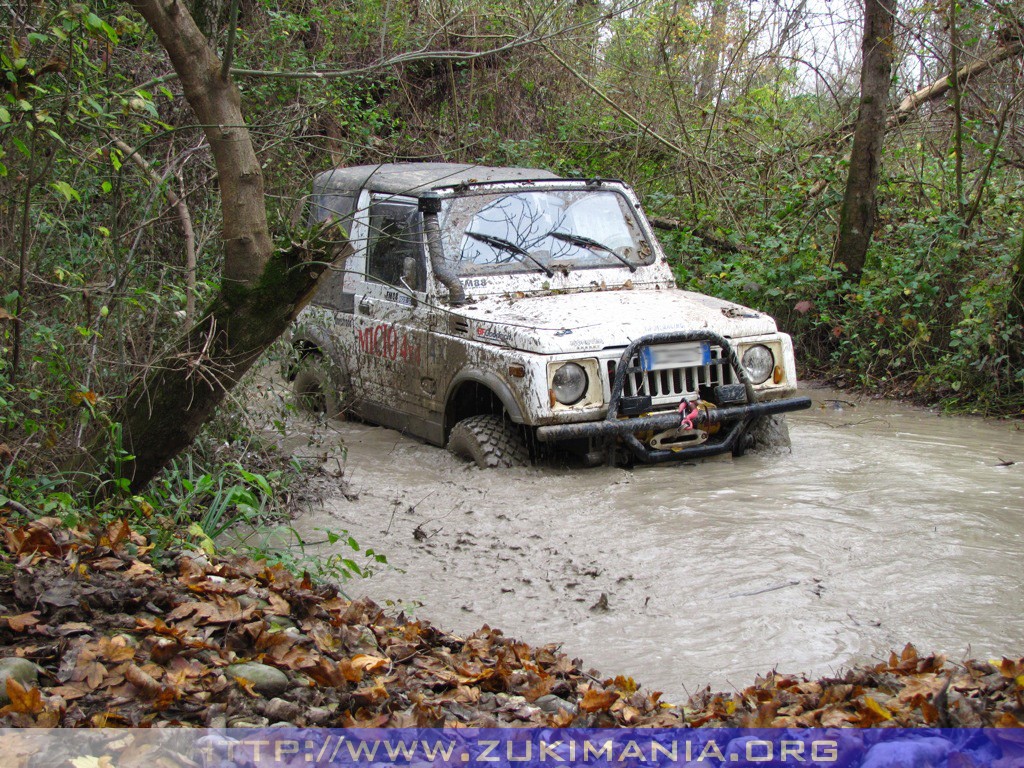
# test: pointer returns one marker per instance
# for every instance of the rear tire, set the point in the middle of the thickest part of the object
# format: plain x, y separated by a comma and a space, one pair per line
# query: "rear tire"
489, 441
316, 390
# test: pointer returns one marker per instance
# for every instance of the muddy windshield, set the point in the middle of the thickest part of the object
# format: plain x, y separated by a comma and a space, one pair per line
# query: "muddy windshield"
542, 231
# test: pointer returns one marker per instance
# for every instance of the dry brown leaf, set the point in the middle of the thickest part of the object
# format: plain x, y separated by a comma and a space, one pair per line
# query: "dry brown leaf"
183, 611
92, 674
116, 649
625, 684
117, 531
598, 701
107, 564
835, 694
1011, 667
69, 692
24, 701
36, 537
139, 568
22, 621
218, 611
334, 674
834, 717
370, 696
926, 685
142, 680
367, 663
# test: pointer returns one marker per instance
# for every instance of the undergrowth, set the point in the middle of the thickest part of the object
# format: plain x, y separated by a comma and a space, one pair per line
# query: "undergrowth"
230, 492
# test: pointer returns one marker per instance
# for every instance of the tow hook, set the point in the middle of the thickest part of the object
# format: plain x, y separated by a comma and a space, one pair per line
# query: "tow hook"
687, 433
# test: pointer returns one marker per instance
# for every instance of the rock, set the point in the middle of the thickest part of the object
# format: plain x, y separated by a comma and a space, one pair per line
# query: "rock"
318, 715
266, 680
280, 709
553, 705
215, 716
16, 668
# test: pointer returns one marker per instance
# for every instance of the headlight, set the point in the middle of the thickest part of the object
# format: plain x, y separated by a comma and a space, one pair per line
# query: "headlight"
759, 363
569, 383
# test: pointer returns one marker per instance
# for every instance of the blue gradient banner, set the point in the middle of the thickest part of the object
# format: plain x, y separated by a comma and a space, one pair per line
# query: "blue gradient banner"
511, 748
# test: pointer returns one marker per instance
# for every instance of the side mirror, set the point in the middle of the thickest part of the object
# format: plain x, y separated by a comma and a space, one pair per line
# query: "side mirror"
410, 273
410, 278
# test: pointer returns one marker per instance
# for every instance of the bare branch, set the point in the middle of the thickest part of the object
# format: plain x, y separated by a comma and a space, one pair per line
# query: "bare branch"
184, 216
941, 87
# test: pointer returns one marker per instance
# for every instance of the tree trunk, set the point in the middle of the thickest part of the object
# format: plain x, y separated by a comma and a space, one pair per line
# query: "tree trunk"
712, 56
261, 290
857, 219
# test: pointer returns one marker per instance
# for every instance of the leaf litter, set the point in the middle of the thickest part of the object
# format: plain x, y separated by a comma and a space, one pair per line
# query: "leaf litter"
124, 640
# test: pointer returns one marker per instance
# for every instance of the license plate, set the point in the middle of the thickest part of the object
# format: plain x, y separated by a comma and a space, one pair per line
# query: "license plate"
675, 355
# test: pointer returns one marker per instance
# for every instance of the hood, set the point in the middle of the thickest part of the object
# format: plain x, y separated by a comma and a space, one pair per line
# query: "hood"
585, 322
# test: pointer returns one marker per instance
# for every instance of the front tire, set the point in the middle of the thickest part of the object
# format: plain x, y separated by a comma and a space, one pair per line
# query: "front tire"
490, 441
768, 434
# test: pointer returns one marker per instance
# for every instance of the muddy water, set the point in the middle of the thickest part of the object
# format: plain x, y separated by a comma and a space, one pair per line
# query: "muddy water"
884, 525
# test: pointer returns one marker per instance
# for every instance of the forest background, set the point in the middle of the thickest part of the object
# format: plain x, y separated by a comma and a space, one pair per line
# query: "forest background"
734, 119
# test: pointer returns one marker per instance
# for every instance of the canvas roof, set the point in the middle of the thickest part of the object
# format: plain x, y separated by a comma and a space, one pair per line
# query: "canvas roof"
413, 178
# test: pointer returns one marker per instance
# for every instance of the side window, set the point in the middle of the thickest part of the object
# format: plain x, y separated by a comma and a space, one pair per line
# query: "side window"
332, 206
396, 233
336, 207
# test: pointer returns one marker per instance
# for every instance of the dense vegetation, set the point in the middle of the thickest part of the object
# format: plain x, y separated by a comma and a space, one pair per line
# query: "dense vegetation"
732, 120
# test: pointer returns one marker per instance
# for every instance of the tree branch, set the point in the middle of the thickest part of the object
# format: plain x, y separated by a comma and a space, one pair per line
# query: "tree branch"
675, 225
184, 216
217, 104
942, 86
622, 110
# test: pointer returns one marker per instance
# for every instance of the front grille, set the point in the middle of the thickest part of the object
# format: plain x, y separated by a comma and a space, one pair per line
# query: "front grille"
670, 385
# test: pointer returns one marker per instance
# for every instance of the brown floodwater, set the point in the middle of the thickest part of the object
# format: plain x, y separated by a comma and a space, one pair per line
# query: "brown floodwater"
884, 525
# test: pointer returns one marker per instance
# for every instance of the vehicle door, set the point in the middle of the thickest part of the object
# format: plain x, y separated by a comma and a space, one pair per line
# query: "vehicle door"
392, 319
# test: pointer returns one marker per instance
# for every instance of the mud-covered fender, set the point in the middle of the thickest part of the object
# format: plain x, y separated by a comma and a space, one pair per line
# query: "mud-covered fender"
493, 382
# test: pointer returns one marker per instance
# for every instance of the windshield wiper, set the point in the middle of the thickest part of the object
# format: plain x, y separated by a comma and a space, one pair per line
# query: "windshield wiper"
588, 242
507, 245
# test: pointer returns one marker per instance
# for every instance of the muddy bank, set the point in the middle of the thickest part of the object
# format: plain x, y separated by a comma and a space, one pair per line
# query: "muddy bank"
884, 524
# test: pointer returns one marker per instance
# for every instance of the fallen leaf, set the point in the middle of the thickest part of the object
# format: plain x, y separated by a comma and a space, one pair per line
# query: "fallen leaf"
139, 568
598, 701
116, 649
22, 621
365, 663
142, 680
23, 701
877, 708
88, 761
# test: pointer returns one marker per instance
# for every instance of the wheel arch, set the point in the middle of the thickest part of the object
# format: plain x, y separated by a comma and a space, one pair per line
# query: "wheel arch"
303, 342
475, 392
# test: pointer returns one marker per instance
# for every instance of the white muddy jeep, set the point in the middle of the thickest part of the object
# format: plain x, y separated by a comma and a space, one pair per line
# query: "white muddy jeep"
505, 313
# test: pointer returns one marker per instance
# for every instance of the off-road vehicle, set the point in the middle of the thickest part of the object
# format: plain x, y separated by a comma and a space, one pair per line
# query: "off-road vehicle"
507, 313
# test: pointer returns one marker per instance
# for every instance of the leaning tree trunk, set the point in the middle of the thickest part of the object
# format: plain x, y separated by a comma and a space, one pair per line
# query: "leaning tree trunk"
262, 289
857, 219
